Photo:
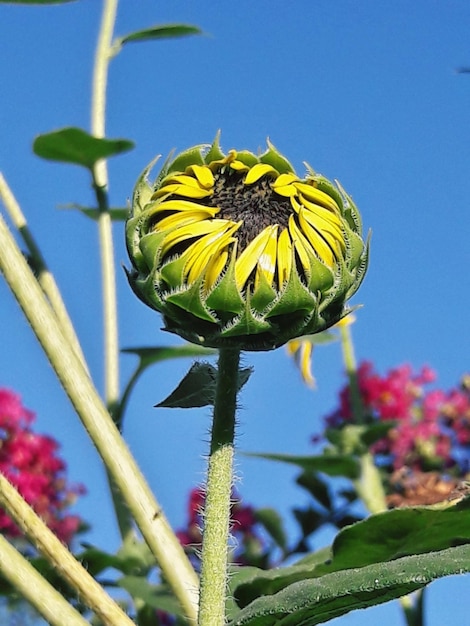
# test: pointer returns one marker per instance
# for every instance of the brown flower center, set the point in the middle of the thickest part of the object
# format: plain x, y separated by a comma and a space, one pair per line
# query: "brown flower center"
257, 205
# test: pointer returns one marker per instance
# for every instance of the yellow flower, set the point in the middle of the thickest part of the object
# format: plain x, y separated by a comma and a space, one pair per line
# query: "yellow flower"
237, 250
302, 351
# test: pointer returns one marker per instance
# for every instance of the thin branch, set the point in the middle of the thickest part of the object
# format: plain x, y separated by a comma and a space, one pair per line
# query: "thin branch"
100, 182
148, 515
90, 592
45, 277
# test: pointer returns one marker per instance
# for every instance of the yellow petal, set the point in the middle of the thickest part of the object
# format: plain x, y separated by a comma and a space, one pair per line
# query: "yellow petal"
302, 350
259, 170
200, 253
317, 242
182, 179
287, 191
186, 191
311, 193
204, 175
300, 243
284, 257
328, 228
181, 219
215, 267
183, 205
267, 259
239, 166
248, 259
284, 179
305, 362
190, 231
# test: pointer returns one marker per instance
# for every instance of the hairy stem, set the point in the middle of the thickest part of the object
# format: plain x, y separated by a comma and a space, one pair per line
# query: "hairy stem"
218, 493
116, 456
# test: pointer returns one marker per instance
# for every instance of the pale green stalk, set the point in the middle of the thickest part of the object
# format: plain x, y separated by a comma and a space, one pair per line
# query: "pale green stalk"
163, 543
103, 55
88, 590
45, 277
218, 493
48, 602
369, 485
100, 180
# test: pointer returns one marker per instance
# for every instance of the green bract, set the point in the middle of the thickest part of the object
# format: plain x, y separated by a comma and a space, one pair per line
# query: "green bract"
237, 251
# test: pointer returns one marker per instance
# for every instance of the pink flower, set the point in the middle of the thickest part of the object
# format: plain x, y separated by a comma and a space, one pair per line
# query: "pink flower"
432, 427
31, 464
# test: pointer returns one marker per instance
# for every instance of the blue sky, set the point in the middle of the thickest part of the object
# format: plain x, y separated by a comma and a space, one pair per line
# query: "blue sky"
366, 92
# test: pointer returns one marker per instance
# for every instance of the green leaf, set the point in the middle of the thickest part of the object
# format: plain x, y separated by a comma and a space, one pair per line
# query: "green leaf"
166, 31
401, 532
74, 145
272, 522
317, 488
332, 465
198, 387
309, 520
374, 541
156, 596
150, 355
311, 602
116, 214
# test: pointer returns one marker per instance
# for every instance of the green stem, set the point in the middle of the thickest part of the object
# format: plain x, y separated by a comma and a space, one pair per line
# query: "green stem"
45, 278
103, 56
350, 364
88, 590
413, 608
116, 456
47, 601
369, 486
218, 493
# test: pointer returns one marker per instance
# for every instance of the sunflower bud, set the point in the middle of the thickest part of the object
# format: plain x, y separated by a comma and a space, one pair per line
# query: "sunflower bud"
237, 251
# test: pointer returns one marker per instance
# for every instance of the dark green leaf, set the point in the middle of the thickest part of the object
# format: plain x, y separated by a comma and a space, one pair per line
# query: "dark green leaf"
198, 387
380, 538
149, 356
401, 532
74, 145
96, 561
332, 465
317, 487
309, 520
376, 431
156, 596
272, 522
311, 602
117, 215
165, 31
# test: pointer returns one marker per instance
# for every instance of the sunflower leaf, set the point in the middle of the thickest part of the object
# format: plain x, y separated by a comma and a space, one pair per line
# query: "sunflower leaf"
197, 388
74, 145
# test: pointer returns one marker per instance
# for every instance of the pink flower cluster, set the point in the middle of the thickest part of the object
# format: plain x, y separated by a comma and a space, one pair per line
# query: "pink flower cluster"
243, 526
31, 464
431, 428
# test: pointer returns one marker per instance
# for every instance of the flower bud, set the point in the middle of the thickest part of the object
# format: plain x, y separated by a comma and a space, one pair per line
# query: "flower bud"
237, 251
